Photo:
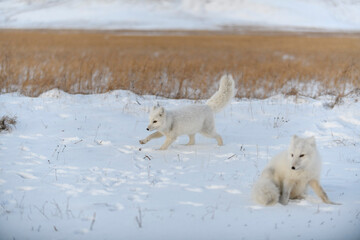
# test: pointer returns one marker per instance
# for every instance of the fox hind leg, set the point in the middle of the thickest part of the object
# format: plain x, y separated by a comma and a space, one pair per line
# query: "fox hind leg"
215, 135
265, 190
191, 139
208, 130
219, 140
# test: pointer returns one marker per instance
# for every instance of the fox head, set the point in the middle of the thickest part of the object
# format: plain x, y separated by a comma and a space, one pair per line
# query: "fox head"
301, 151
157, 118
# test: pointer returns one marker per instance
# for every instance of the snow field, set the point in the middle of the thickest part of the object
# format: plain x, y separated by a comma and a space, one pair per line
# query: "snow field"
73, 169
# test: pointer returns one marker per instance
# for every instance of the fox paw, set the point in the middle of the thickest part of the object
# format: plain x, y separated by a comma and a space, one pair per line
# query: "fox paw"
142, 141
162, 148
284, 201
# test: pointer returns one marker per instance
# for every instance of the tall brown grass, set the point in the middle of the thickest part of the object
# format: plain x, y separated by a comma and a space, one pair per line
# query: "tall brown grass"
178, 66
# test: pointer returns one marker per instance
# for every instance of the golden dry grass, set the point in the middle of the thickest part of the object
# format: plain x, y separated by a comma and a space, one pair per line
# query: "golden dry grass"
177, 66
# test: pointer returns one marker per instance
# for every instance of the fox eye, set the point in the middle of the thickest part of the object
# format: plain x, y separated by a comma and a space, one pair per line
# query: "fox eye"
301, 155
155, 121
292, 155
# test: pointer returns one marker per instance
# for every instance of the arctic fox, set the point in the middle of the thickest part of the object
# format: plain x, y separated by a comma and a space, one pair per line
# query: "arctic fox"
190, 119
289, 173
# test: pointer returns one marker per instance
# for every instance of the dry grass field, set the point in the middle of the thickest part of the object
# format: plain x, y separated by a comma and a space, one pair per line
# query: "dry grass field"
178, 65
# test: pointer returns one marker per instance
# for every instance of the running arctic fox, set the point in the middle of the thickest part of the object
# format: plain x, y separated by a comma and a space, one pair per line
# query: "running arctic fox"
289, 173
190, 119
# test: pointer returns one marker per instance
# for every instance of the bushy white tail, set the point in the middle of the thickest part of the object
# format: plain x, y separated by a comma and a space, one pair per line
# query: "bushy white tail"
223, 96
265, 192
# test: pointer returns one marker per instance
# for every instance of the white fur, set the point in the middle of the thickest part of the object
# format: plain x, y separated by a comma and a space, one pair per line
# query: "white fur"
223, 96
191, 119
289, 173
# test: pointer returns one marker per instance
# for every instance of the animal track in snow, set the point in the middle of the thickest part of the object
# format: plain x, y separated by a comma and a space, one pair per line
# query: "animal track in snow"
26, 175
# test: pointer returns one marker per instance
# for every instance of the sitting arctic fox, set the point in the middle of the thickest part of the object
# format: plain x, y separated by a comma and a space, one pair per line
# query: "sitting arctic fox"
289, 173
190, 119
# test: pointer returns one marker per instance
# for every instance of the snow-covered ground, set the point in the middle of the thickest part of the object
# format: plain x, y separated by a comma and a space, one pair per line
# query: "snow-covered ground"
73, 169
333, 15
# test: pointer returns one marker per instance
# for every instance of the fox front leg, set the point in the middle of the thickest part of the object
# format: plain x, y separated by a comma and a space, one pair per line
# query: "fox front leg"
151, 136
315, 185
285, 193
167, 143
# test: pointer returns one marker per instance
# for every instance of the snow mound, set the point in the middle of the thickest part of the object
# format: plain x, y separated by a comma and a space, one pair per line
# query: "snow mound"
54, 93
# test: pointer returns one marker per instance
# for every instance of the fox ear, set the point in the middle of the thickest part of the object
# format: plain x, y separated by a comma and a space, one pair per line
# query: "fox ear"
161, 111
294, 137
156, 106
312, 141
